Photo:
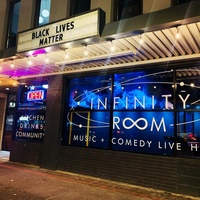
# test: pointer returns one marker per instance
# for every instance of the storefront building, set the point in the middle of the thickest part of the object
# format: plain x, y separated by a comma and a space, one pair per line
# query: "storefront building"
109, 90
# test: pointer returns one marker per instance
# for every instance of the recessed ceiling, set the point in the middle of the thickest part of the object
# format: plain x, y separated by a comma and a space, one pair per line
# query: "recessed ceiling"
150, 47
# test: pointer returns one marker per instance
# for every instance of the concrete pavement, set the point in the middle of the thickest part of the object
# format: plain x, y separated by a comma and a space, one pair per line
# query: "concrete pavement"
20, 182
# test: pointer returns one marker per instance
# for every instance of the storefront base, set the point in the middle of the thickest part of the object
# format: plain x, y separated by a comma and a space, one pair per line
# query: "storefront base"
178, 175
26, 153
172, 174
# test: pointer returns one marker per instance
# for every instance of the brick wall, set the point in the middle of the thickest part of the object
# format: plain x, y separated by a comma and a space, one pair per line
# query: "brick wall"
145, 170
178, 175
188, 176
158, 172
26, 152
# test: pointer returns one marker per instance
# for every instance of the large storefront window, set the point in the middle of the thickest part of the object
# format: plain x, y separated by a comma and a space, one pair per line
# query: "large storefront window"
88, 114
148, 111
30, 117
188, 110
144, 119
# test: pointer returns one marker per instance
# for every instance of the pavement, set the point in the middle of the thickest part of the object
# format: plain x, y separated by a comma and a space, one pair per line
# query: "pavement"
27, 182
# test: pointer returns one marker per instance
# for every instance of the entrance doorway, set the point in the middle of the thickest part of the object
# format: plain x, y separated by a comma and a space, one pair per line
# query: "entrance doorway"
8, 120
3, 100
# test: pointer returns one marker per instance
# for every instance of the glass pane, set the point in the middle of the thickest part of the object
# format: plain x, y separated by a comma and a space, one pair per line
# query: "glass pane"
13, 24
89, 129
128, 8
33, 97
146, 132
88, 116
188, 126
44, 13
15, 18
79, 6
188, 88
143, 90
91, 93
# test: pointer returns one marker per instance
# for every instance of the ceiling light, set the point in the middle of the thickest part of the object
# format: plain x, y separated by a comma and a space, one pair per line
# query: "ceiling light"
15, 84
29, 62
46, 59
182, 84
40, 20
178, 35
45, 13
86, 51
12, 65
66, 55
112, 47
141, 40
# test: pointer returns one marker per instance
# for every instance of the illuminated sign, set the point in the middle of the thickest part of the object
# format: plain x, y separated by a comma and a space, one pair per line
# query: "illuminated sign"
35, 95
75, 28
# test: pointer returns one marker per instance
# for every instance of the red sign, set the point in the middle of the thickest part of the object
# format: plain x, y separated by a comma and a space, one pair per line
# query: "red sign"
35, 95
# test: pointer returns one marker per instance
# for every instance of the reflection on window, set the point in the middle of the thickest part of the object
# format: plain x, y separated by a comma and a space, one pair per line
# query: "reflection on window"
33, 97
178, 2
144, 90
90, 93
188, 126
79, 6
127, 8
146, 111
43, 12
188, 88
85, 129
13, 23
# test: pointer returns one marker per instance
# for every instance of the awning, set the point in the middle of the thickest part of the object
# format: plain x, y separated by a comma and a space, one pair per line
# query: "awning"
172, 44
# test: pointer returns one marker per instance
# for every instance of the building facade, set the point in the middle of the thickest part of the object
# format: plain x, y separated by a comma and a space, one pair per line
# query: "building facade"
103, 88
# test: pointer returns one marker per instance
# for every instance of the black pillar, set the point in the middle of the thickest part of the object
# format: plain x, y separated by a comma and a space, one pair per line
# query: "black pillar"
53, 122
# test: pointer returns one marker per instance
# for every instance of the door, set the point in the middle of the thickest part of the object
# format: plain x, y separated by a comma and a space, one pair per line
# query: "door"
3, 100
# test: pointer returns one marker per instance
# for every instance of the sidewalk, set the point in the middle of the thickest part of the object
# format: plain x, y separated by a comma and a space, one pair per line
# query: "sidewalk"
20, 182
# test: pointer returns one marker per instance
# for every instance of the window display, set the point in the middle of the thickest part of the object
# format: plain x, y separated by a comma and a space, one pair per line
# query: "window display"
148, 111
30, 119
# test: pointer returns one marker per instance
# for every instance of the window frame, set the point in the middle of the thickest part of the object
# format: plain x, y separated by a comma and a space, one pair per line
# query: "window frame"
8, 42
116, 10
176, 2
72, 7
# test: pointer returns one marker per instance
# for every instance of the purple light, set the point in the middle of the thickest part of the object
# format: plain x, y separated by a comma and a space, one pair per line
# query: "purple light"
38, 51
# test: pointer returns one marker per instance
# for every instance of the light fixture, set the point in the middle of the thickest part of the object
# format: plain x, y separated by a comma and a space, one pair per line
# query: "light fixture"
112, 47
192, 84
46, 59
12, 64
66, 54
182, 84
45, 86
141, 40
15, 84
177, 34
86, 51
29, 61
